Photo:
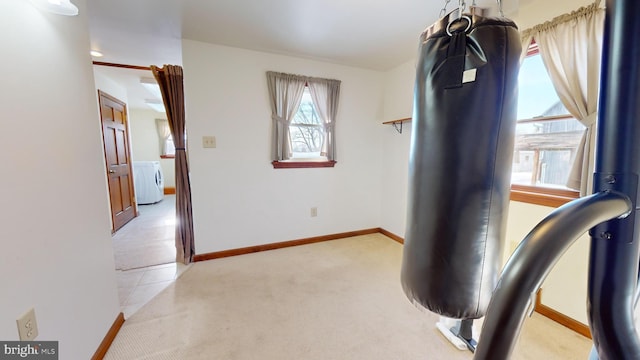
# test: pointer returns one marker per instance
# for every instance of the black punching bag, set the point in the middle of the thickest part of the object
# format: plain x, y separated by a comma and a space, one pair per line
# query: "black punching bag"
464, 121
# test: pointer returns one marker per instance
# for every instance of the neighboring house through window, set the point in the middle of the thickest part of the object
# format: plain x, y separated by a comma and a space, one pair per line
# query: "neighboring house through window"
547, 136
570, 47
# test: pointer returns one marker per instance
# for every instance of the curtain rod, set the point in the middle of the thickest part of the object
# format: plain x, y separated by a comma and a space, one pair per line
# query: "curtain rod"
135, 67
582, 11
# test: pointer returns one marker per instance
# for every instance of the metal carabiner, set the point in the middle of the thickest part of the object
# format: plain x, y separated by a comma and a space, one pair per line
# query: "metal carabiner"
464, 17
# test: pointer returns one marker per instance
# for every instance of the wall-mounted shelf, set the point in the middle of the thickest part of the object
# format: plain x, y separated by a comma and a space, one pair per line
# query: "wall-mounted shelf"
397, 124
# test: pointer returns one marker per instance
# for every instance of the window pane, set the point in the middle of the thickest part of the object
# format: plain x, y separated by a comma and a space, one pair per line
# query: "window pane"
544, 150
306, 130
536, 94
169, 148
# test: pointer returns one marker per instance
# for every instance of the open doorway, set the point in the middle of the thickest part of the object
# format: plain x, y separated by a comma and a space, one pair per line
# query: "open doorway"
148, 239
144, 248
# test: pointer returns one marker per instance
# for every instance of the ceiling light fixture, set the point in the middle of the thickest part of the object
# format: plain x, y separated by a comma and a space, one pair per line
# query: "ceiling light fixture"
60, 7
96, 53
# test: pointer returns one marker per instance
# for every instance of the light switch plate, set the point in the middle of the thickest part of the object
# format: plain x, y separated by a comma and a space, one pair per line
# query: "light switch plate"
209, 142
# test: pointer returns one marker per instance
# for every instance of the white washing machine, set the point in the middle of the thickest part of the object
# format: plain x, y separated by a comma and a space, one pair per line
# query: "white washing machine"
148, 181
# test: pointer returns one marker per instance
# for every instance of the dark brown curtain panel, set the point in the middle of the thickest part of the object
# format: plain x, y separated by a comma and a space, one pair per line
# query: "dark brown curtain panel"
170, 80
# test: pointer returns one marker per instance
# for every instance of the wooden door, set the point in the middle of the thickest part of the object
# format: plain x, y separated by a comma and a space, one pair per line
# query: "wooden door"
117, 154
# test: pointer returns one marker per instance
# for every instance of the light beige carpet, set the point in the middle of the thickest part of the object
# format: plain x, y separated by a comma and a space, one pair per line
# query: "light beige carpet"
334, 300
148, 239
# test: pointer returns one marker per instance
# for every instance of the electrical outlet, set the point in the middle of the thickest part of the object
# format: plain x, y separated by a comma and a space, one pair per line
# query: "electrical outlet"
209, 142
27, 326
314, 211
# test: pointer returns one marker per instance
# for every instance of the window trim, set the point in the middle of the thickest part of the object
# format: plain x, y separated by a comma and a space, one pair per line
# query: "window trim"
332, 88
302, 164
545, 118
306, 163
539, 195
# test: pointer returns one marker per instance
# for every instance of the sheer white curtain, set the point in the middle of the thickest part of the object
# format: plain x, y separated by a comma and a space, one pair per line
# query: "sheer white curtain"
325, 94
164, 132
285, 93
526, 39
570, 46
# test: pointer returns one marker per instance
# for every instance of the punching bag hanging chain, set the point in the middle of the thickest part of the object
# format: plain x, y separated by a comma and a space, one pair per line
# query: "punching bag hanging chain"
461, 6
500, 8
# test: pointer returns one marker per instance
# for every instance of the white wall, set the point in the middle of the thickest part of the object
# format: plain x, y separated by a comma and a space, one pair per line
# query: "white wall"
565, 287
110, 86
57, 254
238, 198
145, 141
146, 144
398, 104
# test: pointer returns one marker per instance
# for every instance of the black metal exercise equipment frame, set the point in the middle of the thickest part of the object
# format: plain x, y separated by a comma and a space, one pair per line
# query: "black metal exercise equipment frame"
609, 213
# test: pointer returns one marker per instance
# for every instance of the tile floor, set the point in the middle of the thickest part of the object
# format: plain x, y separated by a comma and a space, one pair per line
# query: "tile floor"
145, 241
137, 286
148, 239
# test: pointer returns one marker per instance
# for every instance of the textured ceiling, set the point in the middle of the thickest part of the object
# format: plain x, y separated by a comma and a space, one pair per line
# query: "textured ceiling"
371, 34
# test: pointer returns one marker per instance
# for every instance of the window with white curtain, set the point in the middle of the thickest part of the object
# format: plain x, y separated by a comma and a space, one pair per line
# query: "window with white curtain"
303, 114
570, 48
306, 131
167, 148
547, 136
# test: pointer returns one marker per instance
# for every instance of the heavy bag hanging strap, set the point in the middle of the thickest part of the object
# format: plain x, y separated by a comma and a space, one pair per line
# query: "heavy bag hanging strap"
456, 53
460, 163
